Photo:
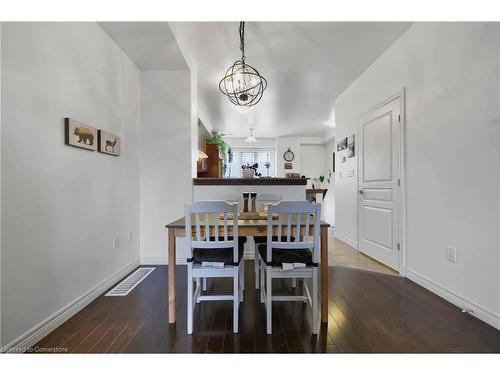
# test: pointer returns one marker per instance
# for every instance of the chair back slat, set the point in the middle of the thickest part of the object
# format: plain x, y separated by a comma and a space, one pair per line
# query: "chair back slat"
279, 227
297, 230
198, 229
207, 227
203, 212
225, 226
294, 210
288, 228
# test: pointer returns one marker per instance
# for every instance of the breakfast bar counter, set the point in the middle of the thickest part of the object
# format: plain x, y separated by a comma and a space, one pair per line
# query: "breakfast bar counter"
249, 181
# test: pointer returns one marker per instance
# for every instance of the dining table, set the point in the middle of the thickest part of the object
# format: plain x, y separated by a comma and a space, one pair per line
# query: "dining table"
246, 227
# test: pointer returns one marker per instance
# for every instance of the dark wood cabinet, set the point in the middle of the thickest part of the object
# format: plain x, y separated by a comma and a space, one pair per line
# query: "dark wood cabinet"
213, 163
202, 164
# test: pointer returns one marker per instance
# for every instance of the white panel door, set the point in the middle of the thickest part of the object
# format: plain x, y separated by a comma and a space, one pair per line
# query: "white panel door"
379, 180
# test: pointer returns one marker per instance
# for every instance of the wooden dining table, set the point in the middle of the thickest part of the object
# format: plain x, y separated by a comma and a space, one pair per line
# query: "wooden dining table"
246, 227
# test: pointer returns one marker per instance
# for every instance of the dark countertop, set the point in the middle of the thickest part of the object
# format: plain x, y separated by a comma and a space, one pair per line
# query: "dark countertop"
249, 181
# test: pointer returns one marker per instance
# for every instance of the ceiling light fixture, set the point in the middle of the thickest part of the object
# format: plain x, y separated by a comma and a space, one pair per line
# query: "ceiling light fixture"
242, 83
251, 138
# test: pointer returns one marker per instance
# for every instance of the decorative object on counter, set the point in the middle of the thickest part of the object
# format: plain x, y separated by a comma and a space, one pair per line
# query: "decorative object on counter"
288, 155
108, 143
267, 165
246, 196
242, 83
249, 170
251, 138
80, 135
253, 196
255, 216
321, 179
292, 175
288, 166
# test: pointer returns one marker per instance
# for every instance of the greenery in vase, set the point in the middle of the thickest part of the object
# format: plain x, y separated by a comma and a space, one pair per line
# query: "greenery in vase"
322, 177
252, 166
225, 151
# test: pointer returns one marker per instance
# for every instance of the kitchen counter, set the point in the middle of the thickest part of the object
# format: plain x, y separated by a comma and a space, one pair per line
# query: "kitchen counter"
249, 181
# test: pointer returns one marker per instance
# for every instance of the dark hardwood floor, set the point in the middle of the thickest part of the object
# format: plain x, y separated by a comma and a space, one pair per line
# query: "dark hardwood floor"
369, 313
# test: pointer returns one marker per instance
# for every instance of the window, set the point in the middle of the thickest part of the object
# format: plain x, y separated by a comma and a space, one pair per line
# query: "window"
242, 156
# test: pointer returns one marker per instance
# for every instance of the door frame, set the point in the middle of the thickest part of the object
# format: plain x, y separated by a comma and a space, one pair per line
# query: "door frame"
402, 176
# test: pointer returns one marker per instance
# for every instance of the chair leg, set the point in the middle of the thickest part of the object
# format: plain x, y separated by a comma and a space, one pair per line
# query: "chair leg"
190, 299
236, 302
294, 283
269, 303
256, 264
315, 301
241, 273
261, 266
204, 284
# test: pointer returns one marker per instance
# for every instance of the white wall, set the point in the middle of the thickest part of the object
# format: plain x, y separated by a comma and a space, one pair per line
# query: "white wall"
312, 160
166, 182
294, 143
451, 75
62, 205
329, 201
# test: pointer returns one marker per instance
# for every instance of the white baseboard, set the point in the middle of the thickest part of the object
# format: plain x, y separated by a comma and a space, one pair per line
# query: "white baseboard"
456, 299
42, 329
159, 261
346, 240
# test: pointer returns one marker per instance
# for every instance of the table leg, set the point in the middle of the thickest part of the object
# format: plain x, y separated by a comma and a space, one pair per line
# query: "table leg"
171, 276
324, 274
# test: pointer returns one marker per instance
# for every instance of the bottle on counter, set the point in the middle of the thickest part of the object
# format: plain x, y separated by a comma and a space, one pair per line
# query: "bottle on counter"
246, 196
254, 201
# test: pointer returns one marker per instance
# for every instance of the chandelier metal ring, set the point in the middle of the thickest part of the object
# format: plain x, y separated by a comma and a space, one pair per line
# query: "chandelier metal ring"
242, 83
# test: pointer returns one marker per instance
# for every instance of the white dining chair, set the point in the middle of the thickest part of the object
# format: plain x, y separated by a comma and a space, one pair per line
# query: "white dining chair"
213, 256
287, 256
263, 201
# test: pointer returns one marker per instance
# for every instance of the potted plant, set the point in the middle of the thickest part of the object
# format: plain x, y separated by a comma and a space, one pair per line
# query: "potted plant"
249, 170
322, 178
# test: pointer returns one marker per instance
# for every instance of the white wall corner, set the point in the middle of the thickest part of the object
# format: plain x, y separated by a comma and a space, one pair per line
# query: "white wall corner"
345, 239
477, 310
38, 332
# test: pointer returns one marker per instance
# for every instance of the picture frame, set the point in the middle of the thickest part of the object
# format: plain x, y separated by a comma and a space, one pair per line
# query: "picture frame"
108, 143
78, 134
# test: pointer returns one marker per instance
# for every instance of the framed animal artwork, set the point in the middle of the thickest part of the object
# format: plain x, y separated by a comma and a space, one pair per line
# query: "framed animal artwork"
78, 134
108, 143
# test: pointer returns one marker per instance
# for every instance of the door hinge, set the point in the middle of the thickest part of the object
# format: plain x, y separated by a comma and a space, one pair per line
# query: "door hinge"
399, 118
399, 246
399, 182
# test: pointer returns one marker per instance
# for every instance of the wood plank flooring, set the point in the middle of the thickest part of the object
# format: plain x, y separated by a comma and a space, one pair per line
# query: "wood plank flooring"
368, 313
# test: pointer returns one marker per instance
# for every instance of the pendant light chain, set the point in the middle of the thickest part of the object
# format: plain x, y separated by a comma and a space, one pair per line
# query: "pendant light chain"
242, 41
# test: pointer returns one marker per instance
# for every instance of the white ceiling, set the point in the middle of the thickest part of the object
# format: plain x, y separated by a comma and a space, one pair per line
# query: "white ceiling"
150, 45
307, 65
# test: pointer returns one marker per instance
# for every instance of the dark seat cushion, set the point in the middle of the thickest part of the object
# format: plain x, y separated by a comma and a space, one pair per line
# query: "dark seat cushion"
281, 256
263, 239
219, 255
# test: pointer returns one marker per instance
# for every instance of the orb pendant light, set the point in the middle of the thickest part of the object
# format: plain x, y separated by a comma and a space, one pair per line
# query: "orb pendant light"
242, 83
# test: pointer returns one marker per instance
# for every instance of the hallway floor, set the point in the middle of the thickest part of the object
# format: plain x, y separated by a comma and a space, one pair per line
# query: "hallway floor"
342, 255
368, 313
